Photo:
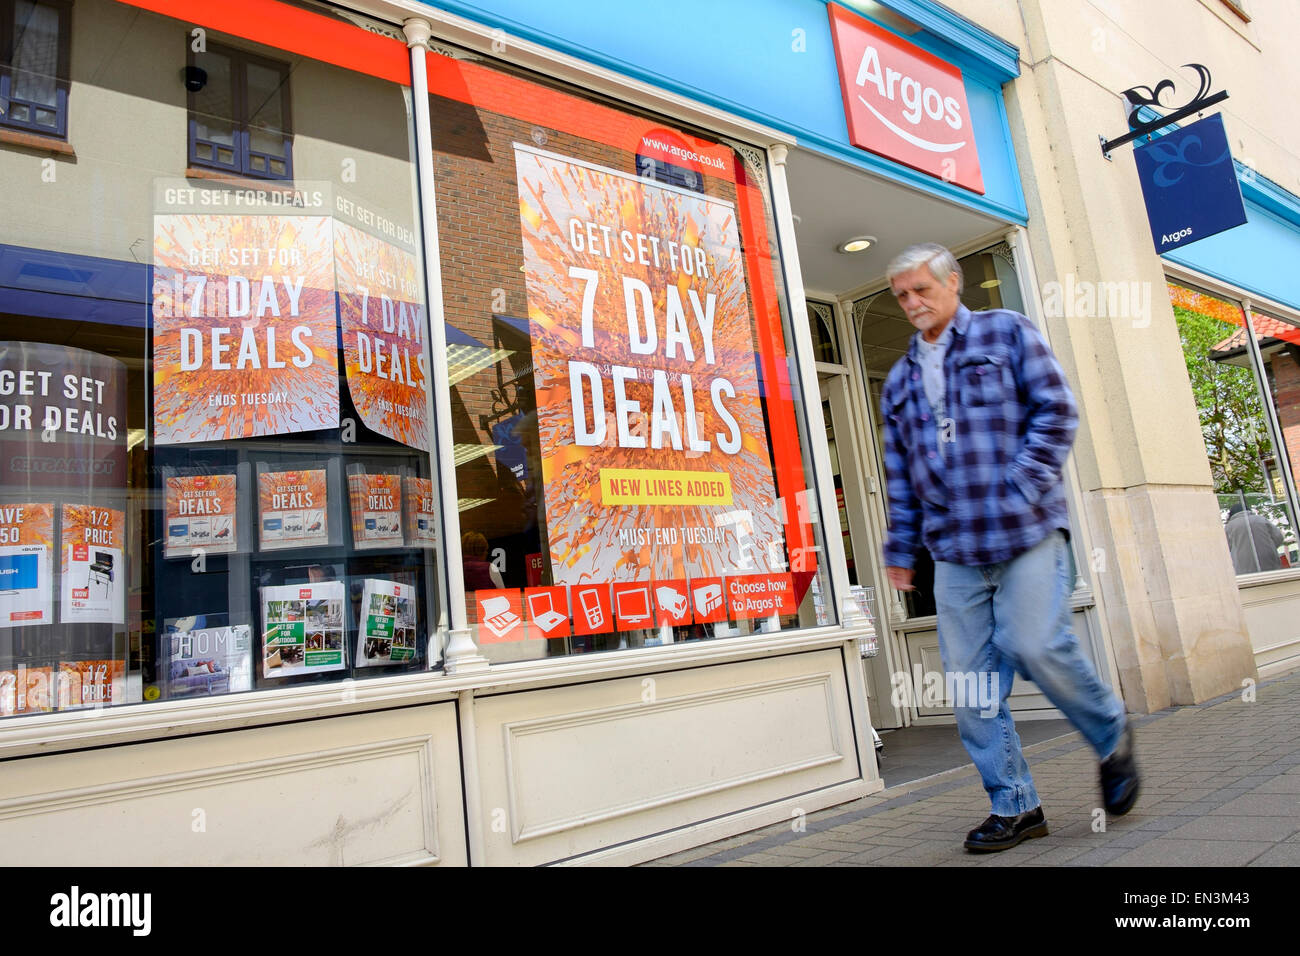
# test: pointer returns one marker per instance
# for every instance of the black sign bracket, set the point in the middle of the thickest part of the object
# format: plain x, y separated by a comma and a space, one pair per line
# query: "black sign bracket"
1140, 96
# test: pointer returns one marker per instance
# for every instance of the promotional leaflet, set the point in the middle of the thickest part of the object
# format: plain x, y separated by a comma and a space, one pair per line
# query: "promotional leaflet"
376, 510
303, 629
387, 634
291, 509
91, 684
421, 512
25, 690
245, 330
94, 564
654, 451
199, 660
382, 318
201, 514
26, 564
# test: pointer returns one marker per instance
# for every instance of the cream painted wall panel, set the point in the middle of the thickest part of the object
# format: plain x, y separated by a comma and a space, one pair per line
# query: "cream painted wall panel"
374, 788
1273, 619
572, 770
1000, 19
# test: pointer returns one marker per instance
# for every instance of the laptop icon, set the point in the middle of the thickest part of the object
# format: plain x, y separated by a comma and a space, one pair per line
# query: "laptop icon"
542, 611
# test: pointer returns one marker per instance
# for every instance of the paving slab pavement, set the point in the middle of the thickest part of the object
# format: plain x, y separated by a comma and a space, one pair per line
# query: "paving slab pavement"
1221, 787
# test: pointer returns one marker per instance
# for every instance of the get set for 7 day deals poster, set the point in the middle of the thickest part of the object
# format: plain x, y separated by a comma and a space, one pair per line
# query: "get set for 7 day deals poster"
655, 459
246, 328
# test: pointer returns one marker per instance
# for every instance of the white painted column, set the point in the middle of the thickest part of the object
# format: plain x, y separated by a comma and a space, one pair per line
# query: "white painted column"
806, 369
461, 654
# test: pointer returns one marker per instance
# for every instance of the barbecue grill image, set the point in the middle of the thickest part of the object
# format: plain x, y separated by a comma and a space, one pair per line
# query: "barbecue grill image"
100, 572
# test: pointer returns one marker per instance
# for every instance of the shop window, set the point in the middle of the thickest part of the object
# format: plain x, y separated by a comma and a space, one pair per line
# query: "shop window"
34, 40
239, 113
631, 460
1247, 472
215, 456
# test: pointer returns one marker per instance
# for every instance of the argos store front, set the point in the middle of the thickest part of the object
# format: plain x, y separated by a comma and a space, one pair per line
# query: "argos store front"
411, 430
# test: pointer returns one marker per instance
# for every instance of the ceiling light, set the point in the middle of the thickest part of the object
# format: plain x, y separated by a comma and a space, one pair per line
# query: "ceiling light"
990, 283
857, 244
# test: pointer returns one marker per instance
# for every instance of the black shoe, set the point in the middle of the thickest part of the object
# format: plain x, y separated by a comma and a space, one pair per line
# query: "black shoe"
1002, 833
1120, 781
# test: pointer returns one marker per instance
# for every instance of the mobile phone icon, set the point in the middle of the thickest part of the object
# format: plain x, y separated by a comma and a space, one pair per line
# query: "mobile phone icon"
589, 601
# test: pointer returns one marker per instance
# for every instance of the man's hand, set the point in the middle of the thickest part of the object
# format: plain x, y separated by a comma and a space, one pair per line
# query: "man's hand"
901, 578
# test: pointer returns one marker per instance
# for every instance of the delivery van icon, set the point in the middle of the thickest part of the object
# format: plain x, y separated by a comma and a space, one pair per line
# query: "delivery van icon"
671, 601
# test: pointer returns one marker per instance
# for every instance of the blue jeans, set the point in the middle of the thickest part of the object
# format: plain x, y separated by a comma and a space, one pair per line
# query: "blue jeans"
1014, 616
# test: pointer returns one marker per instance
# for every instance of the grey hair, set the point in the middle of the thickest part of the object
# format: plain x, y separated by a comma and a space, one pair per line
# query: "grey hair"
942, 263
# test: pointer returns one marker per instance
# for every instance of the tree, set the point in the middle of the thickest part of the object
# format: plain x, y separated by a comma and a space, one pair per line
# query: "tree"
1229, 404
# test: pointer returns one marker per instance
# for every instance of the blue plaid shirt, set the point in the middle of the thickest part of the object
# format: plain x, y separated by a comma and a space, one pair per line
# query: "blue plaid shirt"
997, 491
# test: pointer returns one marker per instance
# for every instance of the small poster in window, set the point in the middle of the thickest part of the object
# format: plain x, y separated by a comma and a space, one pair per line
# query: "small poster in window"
201, 514
303, 629
291, 509
91, 684
26, 564
421, 513
201, 661
25, 690
387, 634
94, 565
376, 510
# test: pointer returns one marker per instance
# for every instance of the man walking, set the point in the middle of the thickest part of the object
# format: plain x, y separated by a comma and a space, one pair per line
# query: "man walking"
978, 423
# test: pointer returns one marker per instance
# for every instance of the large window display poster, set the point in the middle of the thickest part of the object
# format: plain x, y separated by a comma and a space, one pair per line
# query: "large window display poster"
383, 320
303, 628
245, 333
387, 632
421, 512
201, 514
291, 509
62, 417
93, 570
376, 501
26, 564
653, 446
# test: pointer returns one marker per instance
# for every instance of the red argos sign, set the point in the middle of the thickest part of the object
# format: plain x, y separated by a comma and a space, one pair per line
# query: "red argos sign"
903, 103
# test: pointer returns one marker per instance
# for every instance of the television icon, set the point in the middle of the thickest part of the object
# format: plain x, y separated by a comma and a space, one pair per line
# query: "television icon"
632, 607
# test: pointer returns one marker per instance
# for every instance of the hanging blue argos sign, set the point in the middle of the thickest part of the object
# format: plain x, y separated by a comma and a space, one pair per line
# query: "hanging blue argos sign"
1189, 184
